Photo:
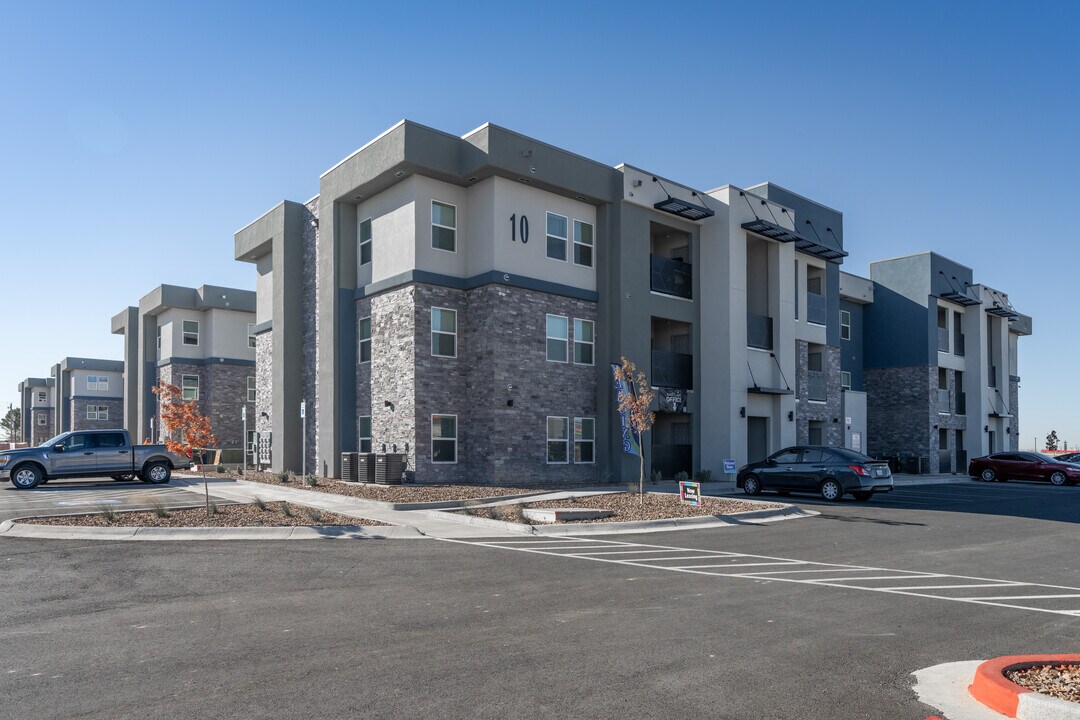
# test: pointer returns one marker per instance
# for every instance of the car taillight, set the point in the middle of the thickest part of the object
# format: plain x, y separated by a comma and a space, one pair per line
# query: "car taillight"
859, 470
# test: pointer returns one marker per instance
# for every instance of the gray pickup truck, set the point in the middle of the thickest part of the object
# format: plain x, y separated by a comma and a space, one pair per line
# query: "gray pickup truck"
89, 453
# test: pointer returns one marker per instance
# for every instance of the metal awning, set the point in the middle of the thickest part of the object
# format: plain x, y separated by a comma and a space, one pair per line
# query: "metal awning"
684, 209
1002, 311
960, 298
772, 231
769, 391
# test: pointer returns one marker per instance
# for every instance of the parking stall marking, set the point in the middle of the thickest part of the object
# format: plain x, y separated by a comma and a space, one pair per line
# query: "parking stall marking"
725, 564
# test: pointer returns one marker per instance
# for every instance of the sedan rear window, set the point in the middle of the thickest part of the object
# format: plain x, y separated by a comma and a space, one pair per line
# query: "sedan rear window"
851, 456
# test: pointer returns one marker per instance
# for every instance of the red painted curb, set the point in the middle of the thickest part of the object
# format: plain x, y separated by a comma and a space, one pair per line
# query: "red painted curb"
997, 692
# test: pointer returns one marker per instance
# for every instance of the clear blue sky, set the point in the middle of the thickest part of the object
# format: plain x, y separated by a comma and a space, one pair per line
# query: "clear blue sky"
135, 138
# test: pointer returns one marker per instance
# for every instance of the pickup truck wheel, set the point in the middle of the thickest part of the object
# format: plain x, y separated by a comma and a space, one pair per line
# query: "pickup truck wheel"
156, 473
26, 477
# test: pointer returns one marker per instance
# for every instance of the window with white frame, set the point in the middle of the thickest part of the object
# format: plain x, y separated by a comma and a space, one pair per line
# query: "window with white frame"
97, 382
443, 332
558, 440
364, 354
443, 226
557, 338
444, 438
556, 236
97, 412
583, 342
845, 379
251, 388
583, 243
363, 431
41, 420
189, 387
845, 325
251, 335
41, 397
158, 337
365, 242
191, 332
584, 440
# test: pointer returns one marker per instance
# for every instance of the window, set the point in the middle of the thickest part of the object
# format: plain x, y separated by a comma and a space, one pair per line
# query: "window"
443, 226
251, 388
558, 440
796, 289
365, 340
189, 387
363, 425
109, 440
556, 236
41, 420
251, 335
365, 241
557, 338
584, 439
443, 332
97, 382
158, 337
97, 412
444, 438
817, 433
583, 243
191, 332
41, 397
845, 325
786, 457
845, 380
583, 342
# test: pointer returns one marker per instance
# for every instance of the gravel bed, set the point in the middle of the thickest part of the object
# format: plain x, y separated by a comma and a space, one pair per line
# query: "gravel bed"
628, 507
387, 493
226, 516
1060, 681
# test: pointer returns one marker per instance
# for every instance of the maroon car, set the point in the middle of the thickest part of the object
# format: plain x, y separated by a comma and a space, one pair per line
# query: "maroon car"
1023, 466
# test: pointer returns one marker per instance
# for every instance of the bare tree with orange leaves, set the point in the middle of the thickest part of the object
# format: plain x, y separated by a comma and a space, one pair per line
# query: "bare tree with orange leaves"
637, 407
182, 418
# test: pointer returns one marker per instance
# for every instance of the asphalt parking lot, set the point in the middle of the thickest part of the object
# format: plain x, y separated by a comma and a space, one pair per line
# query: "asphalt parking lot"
568, 628
63, 497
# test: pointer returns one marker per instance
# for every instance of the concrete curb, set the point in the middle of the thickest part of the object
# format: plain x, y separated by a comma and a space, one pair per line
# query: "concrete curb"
997, 692
11, 528
751, 517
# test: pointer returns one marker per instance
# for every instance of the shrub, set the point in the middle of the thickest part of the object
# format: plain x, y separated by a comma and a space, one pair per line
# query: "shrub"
287, 510
283, 476
703, 476
259, 503
657, 476
158, 509
311, 480
681, 476
512, 513
240, 470
315, 514
107, 511
213, 507
492, 512
221, 469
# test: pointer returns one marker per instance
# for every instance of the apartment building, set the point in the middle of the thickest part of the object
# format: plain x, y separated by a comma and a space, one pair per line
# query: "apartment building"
460, 299
37, 397
80, 394
938, 362
200, 339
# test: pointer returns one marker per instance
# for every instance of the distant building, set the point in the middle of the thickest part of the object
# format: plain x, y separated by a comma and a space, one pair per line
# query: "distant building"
81, 394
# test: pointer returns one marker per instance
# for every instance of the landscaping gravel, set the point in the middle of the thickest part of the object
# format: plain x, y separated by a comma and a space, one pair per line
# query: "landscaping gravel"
628, 507
226, 516
386, 493
1060, 681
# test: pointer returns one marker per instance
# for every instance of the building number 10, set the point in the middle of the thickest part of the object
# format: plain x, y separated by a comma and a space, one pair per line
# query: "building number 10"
521, 228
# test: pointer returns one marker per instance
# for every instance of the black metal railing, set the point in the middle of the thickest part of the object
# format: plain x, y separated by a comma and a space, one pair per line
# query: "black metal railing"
671, 277
759, 331
817, 308
943, 339
672, 369
991, 376
958, 344
671, 460
943, 400
817, 385
961, 403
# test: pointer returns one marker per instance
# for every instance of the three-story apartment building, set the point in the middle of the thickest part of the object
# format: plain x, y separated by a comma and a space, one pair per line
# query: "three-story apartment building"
38, 407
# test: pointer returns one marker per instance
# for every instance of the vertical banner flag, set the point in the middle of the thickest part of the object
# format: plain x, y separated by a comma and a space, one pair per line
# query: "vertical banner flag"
629, 439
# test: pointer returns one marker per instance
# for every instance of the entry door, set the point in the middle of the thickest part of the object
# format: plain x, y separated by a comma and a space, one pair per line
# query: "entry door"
757, 438
993, 449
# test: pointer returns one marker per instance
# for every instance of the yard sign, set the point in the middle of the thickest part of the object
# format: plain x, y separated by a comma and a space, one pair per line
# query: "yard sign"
690, 493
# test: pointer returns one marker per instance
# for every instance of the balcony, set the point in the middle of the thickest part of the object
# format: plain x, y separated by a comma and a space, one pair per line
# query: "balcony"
759, 332
672, 370
961, 403
943, 339
991, 376
943, 400
817, 308
958, 344
817, 386
671, 277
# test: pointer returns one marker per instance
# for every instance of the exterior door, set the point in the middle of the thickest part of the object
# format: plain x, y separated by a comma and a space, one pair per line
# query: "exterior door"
757, 438
79, 456
113, 456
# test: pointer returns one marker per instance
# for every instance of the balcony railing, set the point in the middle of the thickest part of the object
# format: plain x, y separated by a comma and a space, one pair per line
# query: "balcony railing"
672, 369
958, 344
943, 339
943, 400
961, 403
759, 331
817, 308
817, 386
671, 277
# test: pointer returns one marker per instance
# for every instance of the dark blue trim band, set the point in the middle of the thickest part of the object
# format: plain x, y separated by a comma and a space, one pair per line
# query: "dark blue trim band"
489, 278
205, 361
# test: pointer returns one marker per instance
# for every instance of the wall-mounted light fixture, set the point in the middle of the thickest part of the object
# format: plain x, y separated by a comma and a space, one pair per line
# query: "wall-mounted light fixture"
387, 403
791, 415
986, 428
315, 222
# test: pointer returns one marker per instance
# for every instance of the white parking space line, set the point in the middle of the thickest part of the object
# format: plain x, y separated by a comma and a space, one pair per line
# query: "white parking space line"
734, 563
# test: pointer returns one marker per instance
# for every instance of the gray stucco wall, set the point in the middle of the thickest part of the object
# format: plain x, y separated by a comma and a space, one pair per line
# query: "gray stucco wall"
851, 351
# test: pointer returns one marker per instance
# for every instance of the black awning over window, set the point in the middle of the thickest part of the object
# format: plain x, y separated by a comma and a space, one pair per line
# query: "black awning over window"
960, 298
684, 209
780, 233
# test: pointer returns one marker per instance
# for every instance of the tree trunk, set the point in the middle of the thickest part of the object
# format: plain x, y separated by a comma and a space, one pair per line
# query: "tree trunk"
641, 472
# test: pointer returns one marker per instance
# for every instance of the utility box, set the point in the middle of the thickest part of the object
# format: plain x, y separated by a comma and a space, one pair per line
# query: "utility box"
389, 468
348, 467
365, 467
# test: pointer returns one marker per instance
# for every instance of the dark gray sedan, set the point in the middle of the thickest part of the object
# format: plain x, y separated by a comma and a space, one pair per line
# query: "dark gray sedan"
828, 471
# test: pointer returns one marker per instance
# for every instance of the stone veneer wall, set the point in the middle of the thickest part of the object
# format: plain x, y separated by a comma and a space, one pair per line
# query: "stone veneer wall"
946, 418
79, 420
264, 384
807, 411
501, 342
40, 433
1014, 407
901, 412
310, 318
222, 392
